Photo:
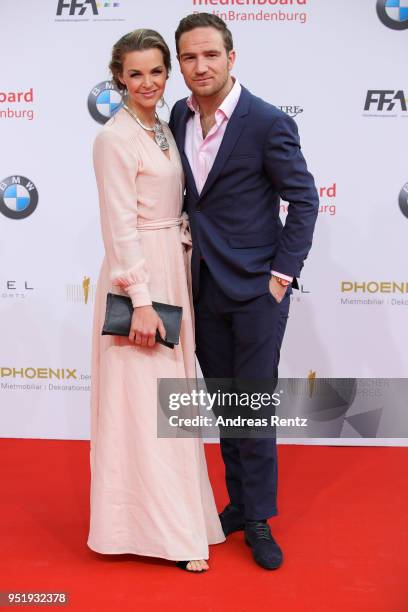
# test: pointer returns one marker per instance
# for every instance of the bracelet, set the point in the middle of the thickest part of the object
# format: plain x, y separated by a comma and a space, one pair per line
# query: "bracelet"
281, 281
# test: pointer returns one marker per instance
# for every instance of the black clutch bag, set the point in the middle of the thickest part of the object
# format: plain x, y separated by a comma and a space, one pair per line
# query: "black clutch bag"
119, 311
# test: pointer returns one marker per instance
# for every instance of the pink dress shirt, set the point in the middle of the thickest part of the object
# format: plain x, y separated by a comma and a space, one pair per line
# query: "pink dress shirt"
201, 152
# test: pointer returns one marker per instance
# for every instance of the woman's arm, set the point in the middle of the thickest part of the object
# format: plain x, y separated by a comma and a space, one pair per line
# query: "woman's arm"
116, 167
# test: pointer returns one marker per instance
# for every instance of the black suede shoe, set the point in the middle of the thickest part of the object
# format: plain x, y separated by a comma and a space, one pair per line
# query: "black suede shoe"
265, 550
232, 519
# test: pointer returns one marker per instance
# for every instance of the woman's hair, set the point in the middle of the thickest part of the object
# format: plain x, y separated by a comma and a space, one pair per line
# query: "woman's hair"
138, 40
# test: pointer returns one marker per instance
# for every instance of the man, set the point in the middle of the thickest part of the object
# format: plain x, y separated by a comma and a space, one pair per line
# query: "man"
240, 155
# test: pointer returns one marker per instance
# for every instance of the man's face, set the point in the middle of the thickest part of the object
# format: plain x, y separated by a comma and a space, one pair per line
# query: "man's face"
204, 62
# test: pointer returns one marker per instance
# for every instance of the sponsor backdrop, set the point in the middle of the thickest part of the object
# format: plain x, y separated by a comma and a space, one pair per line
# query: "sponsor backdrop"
337, 67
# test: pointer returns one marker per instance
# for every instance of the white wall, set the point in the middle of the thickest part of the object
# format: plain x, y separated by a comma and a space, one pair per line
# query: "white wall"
322, 61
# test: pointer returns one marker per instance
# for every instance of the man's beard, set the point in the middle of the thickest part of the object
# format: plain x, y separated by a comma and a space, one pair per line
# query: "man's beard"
214, 92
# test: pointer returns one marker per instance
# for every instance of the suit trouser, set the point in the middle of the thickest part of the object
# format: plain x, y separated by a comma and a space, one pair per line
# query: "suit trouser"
242, 340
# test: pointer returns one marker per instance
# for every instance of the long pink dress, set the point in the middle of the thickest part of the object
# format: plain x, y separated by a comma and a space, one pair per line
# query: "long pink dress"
149, 496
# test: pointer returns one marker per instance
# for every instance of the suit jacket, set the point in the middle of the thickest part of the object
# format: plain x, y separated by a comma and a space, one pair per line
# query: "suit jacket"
235, 222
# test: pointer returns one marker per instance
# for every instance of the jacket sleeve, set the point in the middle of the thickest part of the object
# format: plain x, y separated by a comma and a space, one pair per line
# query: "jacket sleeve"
116, 166
286, 168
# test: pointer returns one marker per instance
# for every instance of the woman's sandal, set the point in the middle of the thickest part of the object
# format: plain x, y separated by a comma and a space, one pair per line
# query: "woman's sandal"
183, 565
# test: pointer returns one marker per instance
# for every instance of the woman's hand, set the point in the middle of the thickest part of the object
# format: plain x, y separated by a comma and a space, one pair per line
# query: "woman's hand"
145, 321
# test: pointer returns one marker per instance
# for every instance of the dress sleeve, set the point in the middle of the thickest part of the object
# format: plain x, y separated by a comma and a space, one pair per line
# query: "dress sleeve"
116, 166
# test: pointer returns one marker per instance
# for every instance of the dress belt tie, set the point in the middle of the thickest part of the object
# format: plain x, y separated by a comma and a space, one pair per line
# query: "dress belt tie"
185, 235
157, 224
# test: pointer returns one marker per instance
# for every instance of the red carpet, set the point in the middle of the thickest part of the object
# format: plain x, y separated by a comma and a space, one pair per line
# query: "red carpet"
343, 527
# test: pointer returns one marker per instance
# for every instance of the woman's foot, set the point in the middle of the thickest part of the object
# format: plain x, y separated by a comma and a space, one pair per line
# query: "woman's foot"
193, 566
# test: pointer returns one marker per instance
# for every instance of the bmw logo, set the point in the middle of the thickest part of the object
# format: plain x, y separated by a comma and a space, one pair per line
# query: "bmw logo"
104, 101
18, 197
393, 13
403, 200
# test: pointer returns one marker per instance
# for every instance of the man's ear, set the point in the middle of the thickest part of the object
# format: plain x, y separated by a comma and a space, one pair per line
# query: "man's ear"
231, 59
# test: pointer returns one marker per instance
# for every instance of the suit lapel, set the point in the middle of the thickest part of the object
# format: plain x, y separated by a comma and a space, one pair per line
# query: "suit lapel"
189, 174
180, 140
231, 135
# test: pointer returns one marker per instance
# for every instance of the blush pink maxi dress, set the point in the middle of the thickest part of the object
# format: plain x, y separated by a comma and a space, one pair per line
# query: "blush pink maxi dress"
149, 496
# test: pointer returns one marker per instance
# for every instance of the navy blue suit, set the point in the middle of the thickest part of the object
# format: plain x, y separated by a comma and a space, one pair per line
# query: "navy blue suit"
238, 239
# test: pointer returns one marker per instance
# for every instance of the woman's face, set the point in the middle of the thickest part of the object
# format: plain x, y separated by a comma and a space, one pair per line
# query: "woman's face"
144, 75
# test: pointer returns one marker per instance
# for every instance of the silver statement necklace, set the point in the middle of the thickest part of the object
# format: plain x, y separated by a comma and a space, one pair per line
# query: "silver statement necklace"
159, 136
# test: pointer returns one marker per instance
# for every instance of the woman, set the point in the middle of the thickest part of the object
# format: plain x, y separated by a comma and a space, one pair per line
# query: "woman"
149, 496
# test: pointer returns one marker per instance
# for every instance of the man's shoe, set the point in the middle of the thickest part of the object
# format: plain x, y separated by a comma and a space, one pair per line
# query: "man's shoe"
232, 519
265, 550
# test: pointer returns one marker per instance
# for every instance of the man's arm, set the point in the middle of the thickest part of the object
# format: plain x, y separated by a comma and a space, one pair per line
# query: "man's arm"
286, 167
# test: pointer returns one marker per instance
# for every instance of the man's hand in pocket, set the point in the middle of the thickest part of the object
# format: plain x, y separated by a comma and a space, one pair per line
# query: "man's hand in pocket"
277, 290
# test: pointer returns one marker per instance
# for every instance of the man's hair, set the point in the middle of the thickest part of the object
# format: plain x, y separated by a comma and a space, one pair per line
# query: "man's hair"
204, 20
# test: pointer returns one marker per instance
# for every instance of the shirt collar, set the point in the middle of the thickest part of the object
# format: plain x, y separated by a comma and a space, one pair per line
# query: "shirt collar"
226, 107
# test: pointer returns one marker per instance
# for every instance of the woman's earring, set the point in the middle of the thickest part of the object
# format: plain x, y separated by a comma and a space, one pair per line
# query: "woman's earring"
162, 103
